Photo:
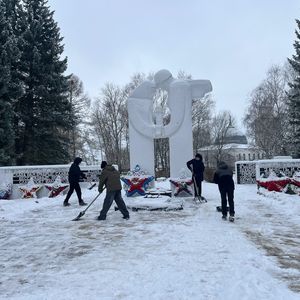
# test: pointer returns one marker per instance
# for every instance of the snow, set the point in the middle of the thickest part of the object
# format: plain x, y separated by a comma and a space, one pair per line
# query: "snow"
228, 146
184, 254
273, 161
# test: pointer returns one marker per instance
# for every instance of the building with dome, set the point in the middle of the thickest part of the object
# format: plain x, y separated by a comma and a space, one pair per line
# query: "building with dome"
233, 147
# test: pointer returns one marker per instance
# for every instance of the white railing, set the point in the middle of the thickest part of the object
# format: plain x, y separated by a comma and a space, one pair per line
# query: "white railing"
250, 171
20, 175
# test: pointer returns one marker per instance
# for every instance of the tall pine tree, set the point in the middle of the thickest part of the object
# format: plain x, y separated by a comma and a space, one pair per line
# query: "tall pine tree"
294, 96
45, 111
10, 85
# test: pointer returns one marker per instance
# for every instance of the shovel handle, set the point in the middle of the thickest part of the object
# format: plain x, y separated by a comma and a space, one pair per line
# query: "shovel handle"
92, 202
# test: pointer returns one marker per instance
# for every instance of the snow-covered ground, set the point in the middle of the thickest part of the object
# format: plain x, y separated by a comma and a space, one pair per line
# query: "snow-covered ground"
184, 254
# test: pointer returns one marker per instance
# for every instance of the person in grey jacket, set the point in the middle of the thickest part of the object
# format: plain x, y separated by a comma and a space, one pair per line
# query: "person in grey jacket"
223, 177
110, 178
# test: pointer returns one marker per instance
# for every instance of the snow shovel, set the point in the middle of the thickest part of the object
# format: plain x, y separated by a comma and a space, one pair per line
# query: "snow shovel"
195, 186
92, 185
197, 191
81, 214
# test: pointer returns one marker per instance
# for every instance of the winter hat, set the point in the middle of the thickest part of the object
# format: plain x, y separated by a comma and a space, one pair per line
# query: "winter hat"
103, 164
77, 160
199, 156
222, 165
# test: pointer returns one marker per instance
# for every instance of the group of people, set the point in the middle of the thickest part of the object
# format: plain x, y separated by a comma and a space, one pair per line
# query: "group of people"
223, 177
110, 180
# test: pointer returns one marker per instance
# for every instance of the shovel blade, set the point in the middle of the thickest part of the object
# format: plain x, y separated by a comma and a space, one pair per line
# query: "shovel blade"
79, 216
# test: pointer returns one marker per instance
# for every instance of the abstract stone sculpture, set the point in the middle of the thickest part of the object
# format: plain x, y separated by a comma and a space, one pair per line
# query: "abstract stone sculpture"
143, 130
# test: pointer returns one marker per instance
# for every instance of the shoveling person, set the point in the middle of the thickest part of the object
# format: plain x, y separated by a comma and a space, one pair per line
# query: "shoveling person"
223, 177
110, 178
74, 176
197, 168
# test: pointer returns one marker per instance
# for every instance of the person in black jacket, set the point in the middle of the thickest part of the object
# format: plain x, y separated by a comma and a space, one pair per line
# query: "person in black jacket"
74, 176
223, 177
197, 168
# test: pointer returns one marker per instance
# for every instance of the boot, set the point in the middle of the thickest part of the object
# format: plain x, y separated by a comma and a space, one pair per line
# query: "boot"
66, 203
231, 218
82, 203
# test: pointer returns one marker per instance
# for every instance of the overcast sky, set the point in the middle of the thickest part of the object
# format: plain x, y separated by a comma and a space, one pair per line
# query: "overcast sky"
230, 42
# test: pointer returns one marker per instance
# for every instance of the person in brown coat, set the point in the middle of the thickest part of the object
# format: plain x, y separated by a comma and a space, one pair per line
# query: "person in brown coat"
110, 178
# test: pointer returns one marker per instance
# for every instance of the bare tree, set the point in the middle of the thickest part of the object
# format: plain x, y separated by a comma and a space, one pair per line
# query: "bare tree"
202, 121
266, 116
80, 107
110, 121
88, 148
183, 75
161, 146
289, 74
221, 125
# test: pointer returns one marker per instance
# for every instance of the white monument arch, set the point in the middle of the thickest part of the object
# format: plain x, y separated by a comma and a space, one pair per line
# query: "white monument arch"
143, 129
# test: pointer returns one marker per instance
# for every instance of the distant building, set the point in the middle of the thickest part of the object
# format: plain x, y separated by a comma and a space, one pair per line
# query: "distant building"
234, 148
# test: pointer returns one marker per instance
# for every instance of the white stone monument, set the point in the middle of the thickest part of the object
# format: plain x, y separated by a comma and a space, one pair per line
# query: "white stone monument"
143, 130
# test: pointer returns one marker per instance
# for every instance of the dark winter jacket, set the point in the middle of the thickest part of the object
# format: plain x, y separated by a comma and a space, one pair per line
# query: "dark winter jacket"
197, 168
223, 177
74, 172
110, 178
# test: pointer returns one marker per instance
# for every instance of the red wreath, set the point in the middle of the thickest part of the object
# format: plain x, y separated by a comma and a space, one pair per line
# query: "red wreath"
295, 182
274, 185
